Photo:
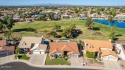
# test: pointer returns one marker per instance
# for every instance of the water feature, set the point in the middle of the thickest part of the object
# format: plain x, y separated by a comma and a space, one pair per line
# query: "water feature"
119, 24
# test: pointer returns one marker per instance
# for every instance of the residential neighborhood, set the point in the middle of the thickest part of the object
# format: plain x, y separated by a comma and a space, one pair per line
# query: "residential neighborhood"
62, 36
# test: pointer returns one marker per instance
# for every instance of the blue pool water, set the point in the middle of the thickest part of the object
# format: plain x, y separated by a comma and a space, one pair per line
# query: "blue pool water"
106, 22
62, 41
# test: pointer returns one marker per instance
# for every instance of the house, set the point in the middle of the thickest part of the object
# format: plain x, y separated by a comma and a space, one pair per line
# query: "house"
32, 45
6, 49
69, 49
101, 48
29, 19
120, 48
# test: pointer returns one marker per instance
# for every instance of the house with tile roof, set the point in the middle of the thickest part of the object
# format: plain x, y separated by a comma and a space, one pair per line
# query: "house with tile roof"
6, 49
69, 49
101, 48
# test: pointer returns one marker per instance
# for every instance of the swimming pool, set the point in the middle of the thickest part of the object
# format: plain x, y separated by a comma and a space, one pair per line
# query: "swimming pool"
62, 40
106, 22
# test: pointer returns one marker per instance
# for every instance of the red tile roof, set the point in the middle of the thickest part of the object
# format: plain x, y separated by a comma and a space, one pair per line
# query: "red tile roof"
2, 42
60, 47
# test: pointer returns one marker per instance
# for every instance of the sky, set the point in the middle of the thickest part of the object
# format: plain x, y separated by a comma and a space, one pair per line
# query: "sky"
71, 2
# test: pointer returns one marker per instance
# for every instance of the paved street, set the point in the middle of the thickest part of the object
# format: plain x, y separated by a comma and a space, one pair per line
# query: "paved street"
23, 66
38, 59
112, 65
6, 59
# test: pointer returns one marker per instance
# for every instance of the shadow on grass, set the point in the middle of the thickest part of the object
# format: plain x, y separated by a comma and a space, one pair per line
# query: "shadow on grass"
25, 29
118, 35
96, 28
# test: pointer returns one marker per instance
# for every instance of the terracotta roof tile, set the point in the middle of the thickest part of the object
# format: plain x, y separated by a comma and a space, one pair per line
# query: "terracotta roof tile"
95, 45
2, 42
63, 46
108, 52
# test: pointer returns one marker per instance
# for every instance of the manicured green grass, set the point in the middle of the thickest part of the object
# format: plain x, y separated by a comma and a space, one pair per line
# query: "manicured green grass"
90, 54
58, 61
22, 56
42, 27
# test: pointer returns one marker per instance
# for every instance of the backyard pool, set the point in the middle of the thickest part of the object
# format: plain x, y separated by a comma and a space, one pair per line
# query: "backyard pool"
106, 22
62, 40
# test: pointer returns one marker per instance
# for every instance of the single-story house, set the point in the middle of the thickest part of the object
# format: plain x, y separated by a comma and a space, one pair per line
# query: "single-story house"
101, 48
6, 49
32, 44
29, 19
69, 49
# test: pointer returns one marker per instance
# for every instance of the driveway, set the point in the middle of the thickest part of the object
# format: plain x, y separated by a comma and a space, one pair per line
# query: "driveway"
112, 65
76, 61
38, 59
6, 59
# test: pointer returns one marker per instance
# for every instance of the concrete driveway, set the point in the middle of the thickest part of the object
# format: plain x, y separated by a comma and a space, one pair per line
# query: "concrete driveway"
76, 61
7, 59
38, 59
112, 65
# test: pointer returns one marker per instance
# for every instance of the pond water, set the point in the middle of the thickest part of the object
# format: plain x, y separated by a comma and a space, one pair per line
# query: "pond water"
106, 22
119, 24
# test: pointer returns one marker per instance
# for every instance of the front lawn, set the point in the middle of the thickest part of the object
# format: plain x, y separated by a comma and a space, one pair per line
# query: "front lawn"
22, 56
90, 54
58, 61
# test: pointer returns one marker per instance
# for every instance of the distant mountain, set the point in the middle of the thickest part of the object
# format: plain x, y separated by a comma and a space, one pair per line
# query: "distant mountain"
51, 4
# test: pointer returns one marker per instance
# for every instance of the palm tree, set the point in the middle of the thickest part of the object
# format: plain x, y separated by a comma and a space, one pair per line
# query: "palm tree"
112, 35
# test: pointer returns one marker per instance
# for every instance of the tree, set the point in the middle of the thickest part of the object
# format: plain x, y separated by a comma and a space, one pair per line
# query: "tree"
72, 27
57, 27
8, 34
51, 16
110, 19
10, 23
112, 35
53, 33
67, 33
113, 13
17, 50
2, 25
89, 23
41, 17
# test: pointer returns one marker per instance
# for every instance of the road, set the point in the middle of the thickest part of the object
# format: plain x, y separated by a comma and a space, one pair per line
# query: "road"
23, 66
